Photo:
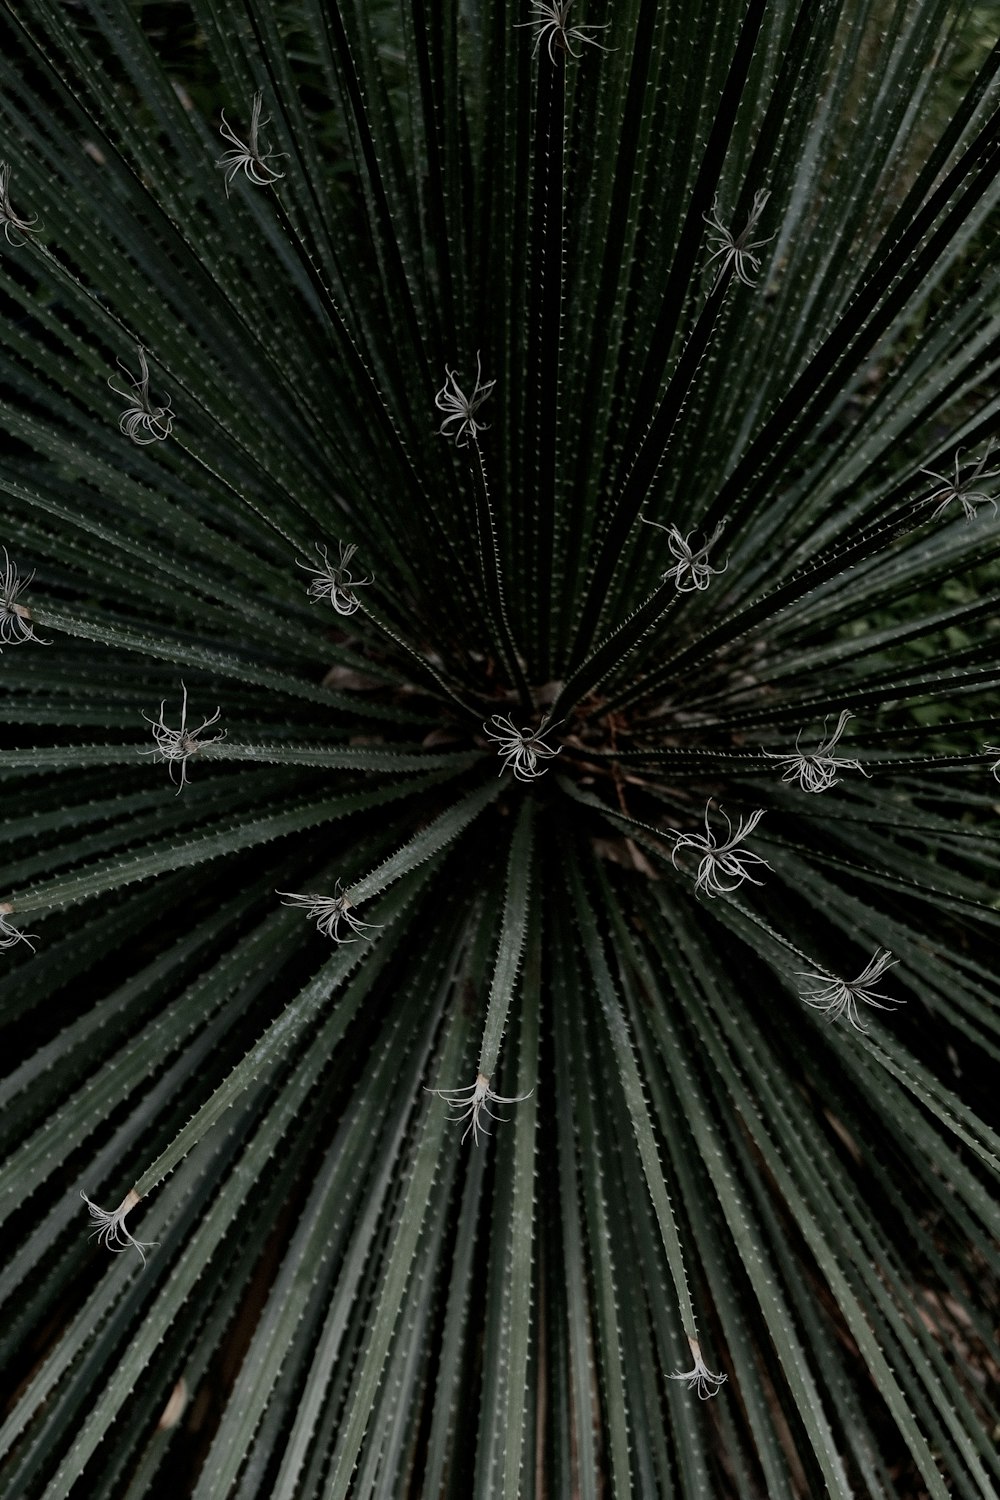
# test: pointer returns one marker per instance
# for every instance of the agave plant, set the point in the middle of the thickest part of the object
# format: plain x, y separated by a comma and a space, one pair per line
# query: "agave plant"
499, 662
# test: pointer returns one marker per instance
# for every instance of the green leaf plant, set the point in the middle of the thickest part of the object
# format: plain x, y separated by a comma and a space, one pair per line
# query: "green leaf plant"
499, 681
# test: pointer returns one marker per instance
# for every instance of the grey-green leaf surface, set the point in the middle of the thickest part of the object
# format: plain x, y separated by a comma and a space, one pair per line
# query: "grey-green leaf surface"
387, 386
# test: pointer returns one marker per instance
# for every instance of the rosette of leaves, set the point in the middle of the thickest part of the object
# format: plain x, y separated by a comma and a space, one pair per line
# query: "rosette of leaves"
493, 642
